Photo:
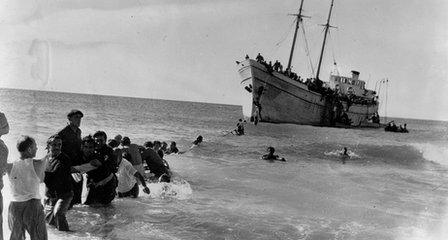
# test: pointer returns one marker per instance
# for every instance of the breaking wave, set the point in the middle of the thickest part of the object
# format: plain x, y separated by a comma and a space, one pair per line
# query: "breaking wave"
433, 153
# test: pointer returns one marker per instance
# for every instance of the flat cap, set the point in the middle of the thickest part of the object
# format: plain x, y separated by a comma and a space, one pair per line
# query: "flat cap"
74, 112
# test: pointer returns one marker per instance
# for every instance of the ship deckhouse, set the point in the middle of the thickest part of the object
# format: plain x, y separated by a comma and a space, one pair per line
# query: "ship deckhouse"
350, 85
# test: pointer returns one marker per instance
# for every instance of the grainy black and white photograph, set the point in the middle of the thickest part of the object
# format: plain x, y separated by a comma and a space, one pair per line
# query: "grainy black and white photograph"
224, 119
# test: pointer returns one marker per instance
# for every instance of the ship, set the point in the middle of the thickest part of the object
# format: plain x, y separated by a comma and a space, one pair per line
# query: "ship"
281, 96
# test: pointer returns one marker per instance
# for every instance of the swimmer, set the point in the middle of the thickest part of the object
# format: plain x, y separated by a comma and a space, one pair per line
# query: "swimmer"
198, 140
344, 155
271, 156
239, 127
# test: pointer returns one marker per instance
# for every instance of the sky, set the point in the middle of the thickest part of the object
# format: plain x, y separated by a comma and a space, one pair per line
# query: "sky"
186, 49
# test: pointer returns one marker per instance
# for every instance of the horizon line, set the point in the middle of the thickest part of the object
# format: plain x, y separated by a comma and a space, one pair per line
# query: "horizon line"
125, 96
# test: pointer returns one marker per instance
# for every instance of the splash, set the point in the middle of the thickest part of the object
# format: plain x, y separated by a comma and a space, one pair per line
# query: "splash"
339, 152
178, 188
432, 152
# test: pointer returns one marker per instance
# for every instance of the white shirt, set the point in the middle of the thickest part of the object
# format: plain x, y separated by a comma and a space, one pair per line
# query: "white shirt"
24, 181
125, 175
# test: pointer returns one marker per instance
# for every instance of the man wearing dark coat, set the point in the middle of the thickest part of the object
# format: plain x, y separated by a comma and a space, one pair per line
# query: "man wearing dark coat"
71, 146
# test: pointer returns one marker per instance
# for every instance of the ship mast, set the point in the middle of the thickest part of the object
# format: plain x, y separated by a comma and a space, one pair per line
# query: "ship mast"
327, 26
298, 20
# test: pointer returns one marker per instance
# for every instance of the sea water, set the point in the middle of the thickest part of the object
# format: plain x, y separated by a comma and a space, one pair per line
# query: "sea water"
394, 186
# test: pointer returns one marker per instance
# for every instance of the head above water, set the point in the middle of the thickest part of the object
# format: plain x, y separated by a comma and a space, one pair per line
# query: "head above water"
148, 144
113, 143
118, 138
157, 145
126, 141
270, 149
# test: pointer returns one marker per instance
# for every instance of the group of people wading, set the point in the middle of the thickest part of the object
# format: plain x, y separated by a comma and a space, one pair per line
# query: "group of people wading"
113, 167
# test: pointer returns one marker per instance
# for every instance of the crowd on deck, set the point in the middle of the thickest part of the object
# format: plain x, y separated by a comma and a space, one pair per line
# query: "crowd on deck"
113, 168
313, 84
278, 67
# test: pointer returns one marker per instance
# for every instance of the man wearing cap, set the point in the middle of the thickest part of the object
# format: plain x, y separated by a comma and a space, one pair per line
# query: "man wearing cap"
4, 129
71, 146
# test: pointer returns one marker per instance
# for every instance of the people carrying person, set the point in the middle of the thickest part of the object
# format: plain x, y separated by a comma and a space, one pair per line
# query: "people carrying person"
4, 129
173, 148
271, 156
89, 157
102, 182
71, 146
133, 150
155, 164
58, 182
127, 178
26, 212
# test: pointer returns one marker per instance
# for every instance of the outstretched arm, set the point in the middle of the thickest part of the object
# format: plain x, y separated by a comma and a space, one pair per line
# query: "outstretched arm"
39, 167
86, 167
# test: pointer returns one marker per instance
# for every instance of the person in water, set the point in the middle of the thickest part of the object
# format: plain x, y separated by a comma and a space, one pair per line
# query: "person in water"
127, 178
164, 147
71, 146
155, 163
157, 148
58, 182
26, 212
198, 140
102, 182
136, 157
240, 127
344, 155
4, 129
271, 156
173, 148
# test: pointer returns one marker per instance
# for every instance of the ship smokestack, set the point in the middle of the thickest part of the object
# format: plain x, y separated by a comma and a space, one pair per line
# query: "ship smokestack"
355, 75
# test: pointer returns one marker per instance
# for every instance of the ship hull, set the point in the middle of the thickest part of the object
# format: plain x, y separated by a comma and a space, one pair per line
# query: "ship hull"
277, 98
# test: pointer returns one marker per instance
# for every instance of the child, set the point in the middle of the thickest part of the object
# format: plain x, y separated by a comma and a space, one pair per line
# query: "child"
25, 210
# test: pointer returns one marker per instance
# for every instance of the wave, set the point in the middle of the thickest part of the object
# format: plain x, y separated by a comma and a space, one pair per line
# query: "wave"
339, 152
433, 153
